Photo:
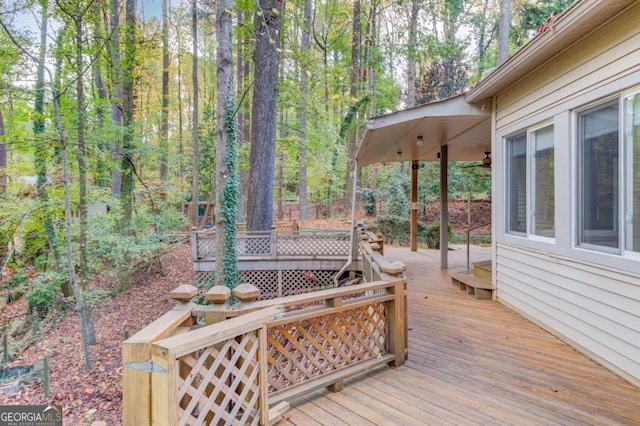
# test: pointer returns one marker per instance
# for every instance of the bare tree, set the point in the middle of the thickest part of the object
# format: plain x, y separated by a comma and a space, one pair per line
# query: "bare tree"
128, 105
303, 194
195, 191
412, 50
164, 120
354, 88
3, 158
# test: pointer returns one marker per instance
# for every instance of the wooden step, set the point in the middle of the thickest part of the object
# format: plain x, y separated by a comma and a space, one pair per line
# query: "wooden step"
475, 286
483, 270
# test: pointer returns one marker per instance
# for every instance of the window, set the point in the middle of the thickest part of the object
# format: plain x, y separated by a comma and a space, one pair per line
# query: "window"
530, 183
543, 177
598, 181
517, 183
632, 136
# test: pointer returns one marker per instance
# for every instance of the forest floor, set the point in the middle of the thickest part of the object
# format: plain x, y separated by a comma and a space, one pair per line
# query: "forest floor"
94, 397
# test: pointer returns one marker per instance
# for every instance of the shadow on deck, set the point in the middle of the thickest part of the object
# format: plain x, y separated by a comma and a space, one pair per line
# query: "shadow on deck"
472, 362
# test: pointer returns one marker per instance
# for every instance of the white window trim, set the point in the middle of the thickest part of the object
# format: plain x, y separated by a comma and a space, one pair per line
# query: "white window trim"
530, 148
577, 149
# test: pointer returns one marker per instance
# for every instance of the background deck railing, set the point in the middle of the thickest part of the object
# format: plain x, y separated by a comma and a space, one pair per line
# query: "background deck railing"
230, 372
274, 244
280, 263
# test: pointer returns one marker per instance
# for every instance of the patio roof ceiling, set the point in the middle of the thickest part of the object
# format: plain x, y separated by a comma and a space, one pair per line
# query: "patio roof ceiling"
464, 127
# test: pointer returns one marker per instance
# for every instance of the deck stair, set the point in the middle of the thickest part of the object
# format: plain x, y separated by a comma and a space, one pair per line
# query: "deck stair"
478, 282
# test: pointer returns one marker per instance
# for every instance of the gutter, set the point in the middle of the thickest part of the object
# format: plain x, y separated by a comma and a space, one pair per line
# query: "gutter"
336, 277
568, 27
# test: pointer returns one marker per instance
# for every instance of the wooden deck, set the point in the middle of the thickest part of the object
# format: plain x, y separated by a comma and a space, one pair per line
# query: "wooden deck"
472, 362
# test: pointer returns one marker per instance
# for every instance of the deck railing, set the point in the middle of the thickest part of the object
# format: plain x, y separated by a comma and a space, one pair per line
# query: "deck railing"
274, 245
230, 372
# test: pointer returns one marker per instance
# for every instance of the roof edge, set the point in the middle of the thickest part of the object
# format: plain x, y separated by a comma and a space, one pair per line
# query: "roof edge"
589, 14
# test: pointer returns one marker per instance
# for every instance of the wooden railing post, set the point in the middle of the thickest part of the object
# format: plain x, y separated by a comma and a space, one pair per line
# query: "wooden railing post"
138, 366
274, 242
194, 243
164, 388
397, 324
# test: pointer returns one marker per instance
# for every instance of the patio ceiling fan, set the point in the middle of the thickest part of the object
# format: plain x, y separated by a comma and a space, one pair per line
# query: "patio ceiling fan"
485, 164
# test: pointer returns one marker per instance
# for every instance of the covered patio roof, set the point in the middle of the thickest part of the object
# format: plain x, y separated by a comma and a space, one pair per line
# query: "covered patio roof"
464, 127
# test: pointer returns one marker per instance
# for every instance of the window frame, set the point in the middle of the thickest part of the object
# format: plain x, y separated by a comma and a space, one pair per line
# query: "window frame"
530, 185
579, 177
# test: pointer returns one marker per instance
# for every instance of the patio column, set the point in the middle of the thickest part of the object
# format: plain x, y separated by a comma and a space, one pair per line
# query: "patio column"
444, 206
413, 208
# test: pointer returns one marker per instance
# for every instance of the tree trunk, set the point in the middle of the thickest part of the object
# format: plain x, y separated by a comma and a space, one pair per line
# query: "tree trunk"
353, 92
3, 159
195, 192
116, 104
40, 151
164, 121
226, 178
303, 193
412, 53
128, 105
180, 120
82, 150
503, 31
263, 117
86, 320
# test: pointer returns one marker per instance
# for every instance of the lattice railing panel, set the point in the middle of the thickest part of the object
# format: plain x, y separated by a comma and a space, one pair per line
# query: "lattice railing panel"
204, 279
308, 245
297, 281
267, 244
219, 384
254, 245
266, 281
299, 351
206, 245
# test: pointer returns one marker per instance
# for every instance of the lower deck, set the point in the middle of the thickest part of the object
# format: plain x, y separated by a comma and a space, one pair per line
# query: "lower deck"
472, 362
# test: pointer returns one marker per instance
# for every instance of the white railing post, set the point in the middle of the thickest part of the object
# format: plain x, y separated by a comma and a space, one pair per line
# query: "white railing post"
194, 243
274, 242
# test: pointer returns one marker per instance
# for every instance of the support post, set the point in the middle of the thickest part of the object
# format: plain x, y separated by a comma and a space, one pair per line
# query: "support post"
413, 208
444, 206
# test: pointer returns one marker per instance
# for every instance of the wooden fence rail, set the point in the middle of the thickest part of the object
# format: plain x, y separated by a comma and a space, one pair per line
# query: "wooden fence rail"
232, 371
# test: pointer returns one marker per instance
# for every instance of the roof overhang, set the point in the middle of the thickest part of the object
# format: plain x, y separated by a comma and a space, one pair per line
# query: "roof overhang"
464, 127
580, 19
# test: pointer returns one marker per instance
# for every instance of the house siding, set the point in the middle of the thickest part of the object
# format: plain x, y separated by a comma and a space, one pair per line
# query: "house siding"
595, 309
588, 298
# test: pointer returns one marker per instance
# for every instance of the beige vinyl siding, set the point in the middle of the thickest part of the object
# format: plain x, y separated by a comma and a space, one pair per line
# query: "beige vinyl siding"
595, 309
588, 298
605, 56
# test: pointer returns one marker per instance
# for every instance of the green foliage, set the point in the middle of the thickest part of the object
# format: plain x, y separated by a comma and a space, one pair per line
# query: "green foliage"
94, 297
229, 202
394, 228
119, 254
368, 197
397, 190
18, 280
530, 17
44, 291
431, 234
396, 231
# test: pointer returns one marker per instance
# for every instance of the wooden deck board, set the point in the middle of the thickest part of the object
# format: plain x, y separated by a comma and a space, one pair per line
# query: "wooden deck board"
473, 362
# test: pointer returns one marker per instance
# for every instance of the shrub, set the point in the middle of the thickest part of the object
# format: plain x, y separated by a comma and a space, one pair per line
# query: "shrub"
368, 197
431, 234
44, 290
396, 230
